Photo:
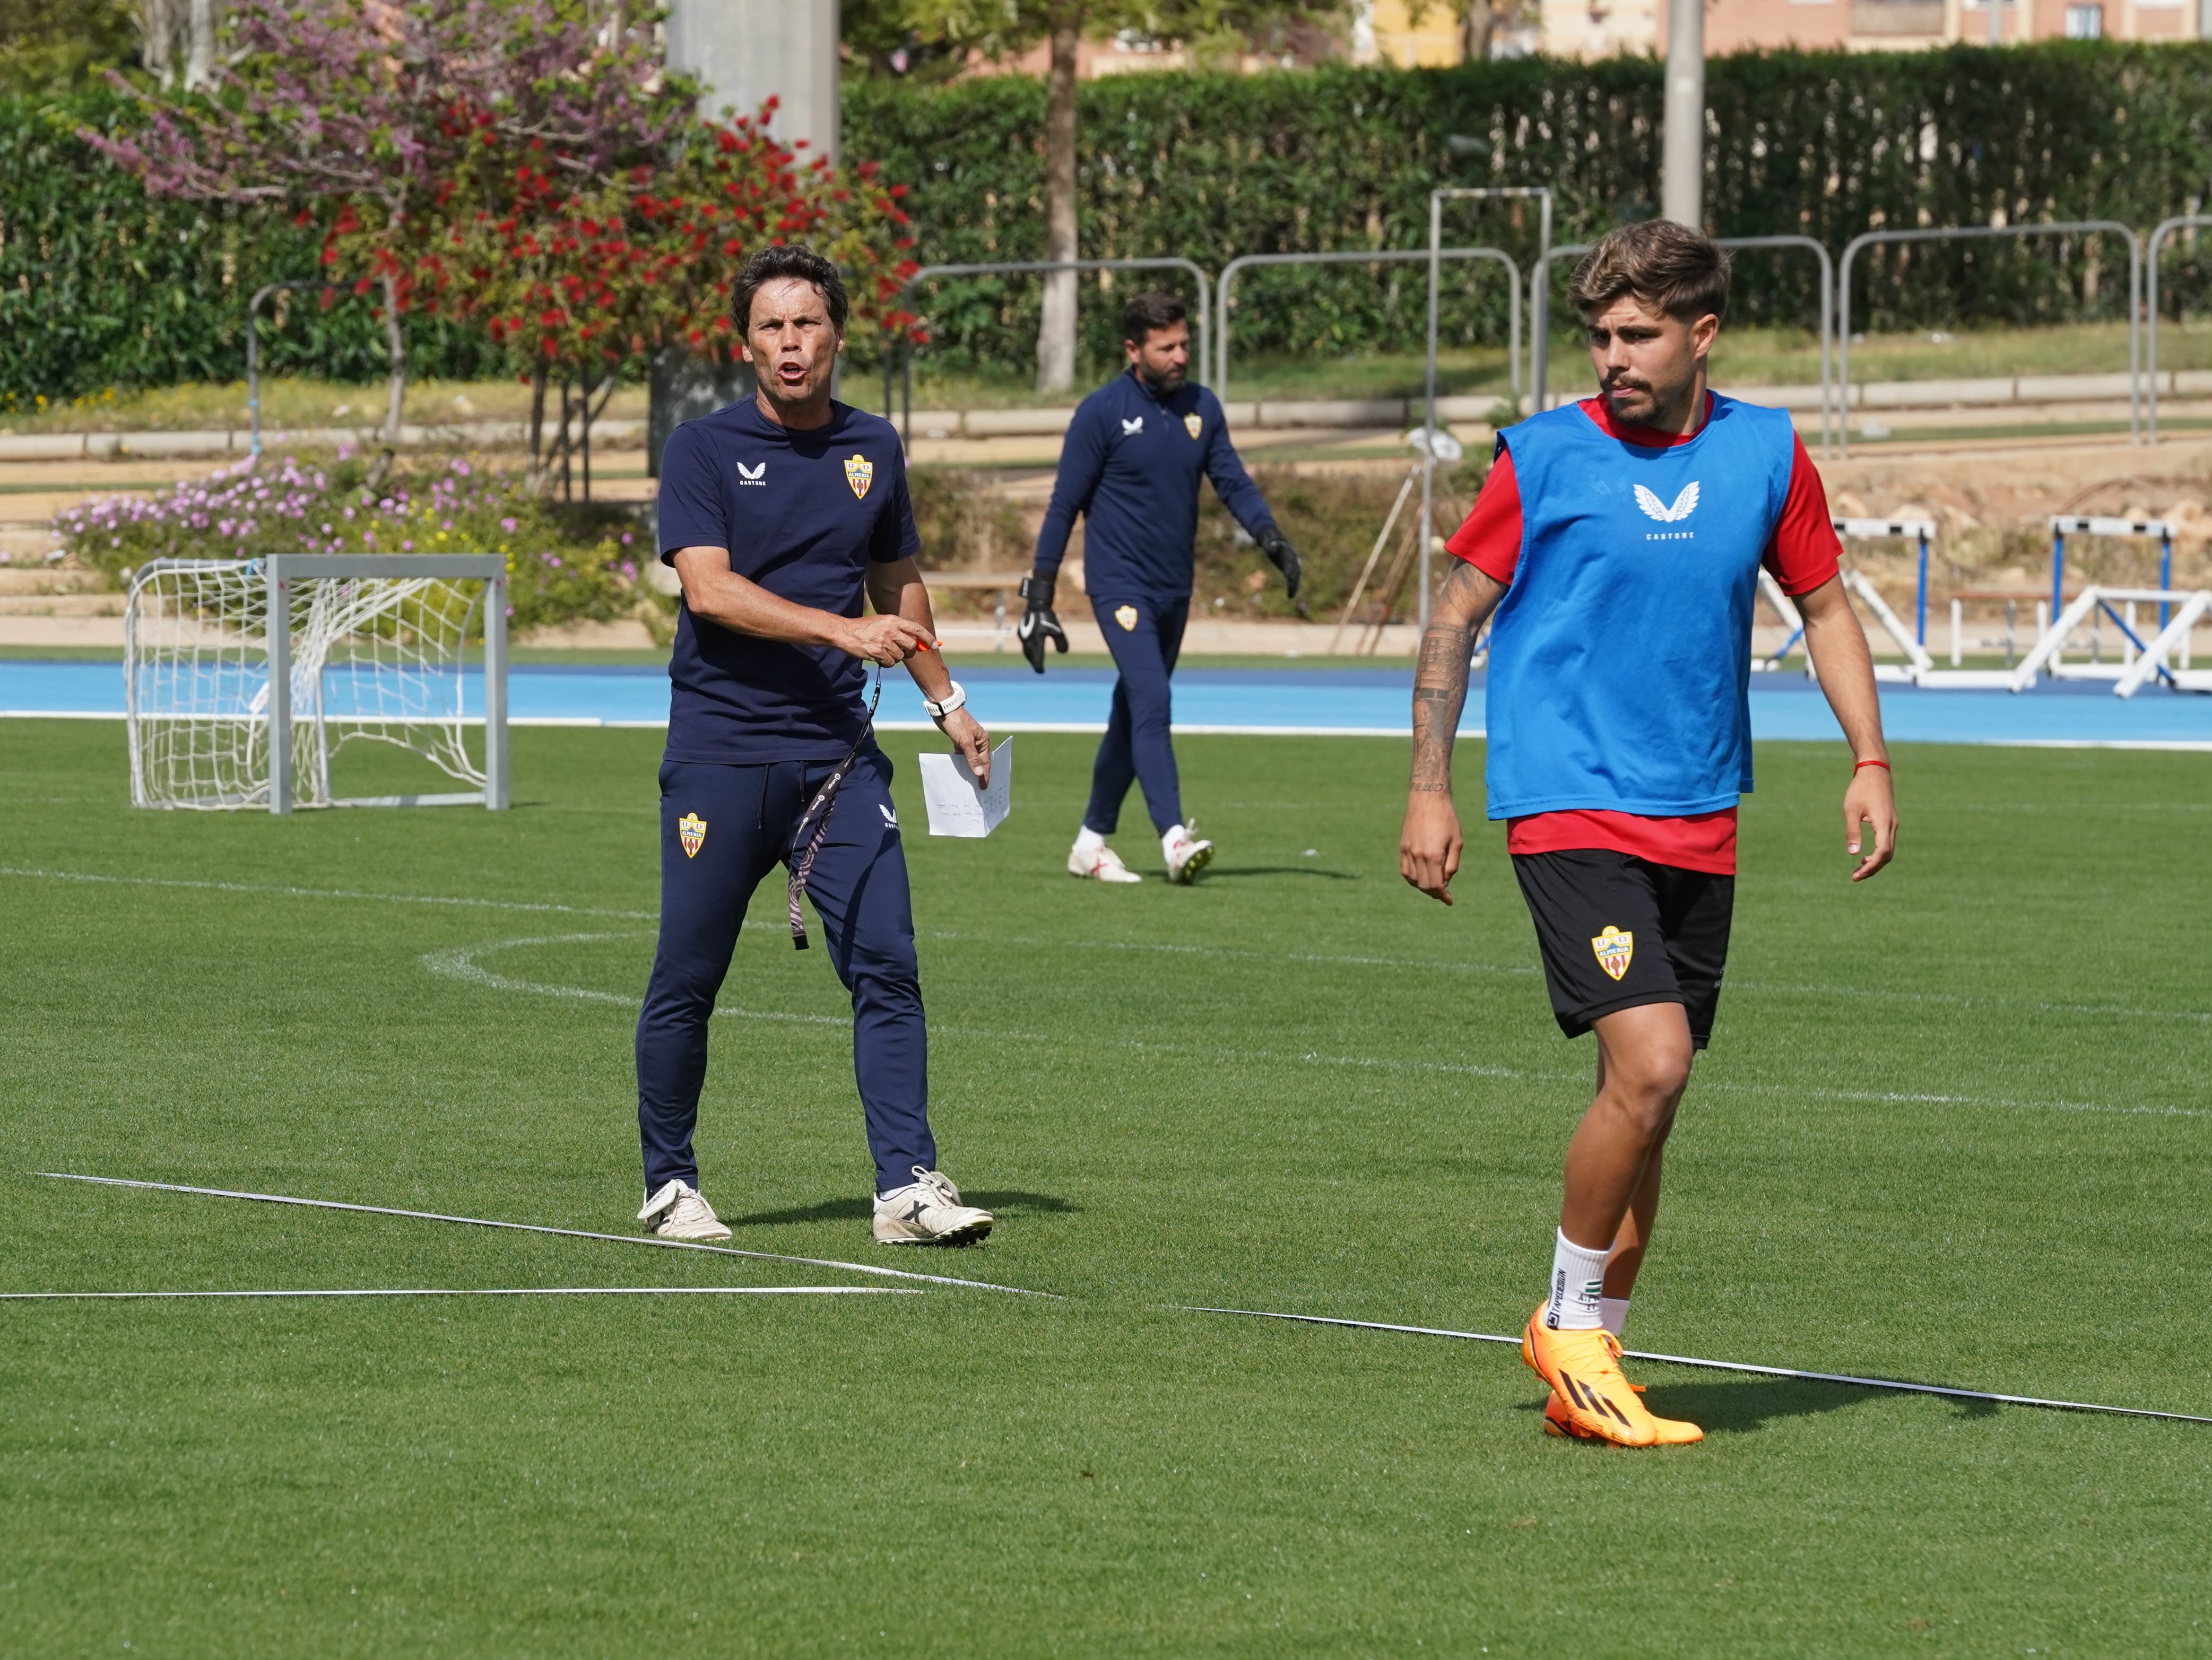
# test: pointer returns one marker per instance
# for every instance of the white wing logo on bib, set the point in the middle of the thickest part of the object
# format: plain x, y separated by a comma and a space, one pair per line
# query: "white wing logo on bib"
1685, 504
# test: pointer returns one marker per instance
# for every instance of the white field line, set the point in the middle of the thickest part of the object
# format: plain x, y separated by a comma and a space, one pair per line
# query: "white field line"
532, 1227
480, 1290
287, 891
1898, 1385
1952, 999
461, 965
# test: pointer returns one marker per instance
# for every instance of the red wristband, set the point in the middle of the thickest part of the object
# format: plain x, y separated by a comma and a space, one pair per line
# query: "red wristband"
1884, 765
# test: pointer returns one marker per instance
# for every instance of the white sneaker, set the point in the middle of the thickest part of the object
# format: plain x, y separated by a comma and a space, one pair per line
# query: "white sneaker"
928, 1211
677, 1212
1103, 865
1185, 853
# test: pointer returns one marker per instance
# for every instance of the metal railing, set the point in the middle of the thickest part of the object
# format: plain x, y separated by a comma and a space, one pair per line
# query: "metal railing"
1540, 317
2159, 232
1375, 256
1202, 313
1958, 233
254, 344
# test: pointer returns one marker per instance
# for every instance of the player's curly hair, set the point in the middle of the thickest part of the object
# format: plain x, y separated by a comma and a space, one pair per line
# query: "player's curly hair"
1667, 266
770, 263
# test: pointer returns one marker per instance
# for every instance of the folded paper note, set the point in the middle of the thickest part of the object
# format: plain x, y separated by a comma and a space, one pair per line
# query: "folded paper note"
956, 806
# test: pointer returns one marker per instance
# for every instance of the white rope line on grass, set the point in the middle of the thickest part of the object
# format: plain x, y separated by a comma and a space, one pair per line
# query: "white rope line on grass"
481, 1291
534, 1227
1898, 1385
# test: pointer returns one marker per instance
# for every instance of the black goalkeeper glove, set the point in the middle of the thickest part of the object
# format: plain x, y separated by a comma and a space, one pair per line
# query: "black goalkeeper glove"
1039, 622
1284, 557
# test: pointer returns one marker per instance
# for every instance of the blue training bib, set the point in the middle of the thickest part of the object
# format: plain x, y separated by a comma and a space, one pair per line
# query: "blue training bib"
1620, 658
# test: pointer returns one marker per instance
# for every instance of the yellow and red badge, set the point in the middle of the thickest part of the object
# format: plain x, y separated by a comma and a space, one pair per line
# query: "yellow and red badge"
1613, 949
692, 828
859, 473
1191, 424
1127, 616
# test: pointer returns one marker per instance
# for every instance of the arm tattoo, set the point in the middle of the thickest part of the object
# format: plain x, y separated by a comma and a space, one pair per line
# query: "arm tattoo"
1440, 675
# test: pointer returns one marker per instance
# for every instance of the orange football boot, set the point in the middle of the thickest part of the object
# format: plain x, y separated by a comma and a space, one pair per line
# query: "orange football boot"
1590, 1398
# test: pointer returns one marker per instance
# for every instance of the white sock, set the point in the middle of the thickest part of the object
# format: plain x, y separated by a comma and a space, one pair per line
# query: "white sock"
1089, 840
1612, 1313
1577, 1285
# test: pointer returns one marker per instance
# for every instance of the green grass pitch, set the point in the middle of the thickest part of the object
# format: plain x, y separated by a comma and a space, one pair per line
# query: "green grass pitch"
1955, 1126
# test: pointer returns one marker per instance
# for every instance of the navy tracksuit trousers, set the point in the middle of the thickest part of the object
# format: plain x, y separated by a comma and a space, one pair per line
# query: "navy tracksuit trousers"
1137, 745
745, 818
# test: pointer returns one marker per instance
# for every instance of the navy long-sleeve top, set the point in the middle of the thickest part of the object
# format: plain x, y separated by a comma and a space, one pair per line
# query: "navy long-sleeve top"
1131, 465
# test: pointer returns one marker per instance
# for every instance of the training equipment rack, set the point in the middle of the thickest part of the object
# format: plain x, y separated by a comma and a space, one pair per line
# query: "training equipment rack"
243, 677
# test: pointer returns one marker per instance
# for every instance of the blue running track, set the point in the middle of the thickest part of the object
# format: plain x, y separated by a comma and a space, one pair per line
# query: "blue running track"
1275, 699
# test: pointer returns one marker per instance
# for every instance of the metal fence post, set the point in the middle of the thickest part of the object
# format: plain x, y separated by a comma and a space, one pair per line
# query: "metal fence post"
2164, 229
1961, 233
253, 349
279, 657
1361, 257
495, 694
1203, 310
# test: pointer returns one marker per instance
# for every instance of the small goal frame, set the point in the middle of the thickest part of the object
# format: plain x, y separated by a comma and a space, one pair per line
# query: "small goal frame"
281, 575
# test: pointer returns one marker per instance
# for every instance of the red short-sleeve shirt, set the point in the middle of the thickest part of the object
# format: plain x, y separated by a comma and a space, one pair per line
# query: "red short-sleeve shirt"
1803, 556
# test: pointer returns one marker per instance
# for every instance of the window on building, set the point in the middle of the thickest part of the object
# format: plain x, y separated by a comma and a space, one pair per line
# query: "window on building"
2085, 22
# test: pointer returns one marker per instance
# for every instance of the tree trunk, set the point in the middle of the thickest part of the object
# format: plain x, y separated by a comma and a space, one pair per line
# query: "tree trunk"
199, 54
157, 28
395, 345
1476, 26
537, 423
1056, 332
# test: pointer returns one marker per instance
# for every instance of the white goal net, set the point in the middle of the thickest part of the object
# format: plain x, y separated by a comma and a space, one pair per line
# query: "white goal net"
243, 678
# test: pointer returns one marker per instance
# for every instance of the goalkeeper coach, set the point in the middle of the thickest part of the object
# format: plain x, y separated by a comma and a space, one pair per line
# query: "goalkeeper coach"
1131, 466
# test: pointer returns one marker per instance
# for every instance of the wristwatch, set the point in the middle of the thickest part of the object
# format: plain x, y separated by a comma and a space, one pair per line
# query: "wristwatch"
959, 700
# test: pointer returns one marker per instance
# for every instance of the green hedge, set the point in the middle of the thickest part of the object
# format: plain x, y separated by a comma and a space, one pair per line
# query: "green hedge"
1822, 143
101, 285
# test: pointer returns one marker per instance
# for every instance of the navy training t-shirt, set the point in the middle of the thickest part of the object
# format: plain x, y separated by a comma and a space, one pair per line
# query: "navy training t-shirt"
803, 513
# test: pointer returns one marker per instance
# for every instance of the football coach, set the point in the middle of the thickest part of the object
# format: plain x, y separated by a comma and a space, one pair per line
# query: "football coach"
1131, 465
778, 514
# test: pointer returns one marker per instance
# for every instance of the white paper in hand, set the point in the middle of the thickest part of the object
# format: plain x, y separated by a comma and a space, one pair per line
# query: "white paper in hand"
957, 806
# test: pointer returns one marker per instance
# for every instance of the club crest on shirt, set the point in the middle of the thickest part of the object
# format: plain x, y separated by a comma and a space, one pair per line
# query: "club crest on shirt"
1191, 424
1613, 949
859, 473
692, 828
1127, 616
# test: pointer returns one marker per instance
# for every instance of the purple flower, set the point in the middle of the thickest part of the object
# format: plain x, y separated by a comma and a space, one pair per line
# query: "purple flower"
406, 547
507, 525
626, 538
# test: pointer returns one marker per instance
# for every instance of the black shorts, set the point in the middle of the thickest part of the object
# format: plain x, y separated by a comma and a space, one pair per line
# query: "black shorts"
1617, 931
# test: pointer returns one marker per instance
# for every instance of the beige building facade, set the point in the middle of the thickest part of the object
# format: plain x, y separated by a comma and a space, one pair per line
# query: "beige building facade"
1408, 34
1592, 28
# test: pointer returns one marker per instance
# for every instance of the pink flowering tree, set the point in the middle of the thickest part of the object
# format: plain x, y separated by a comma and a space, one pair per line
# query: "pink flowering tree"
367, 116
